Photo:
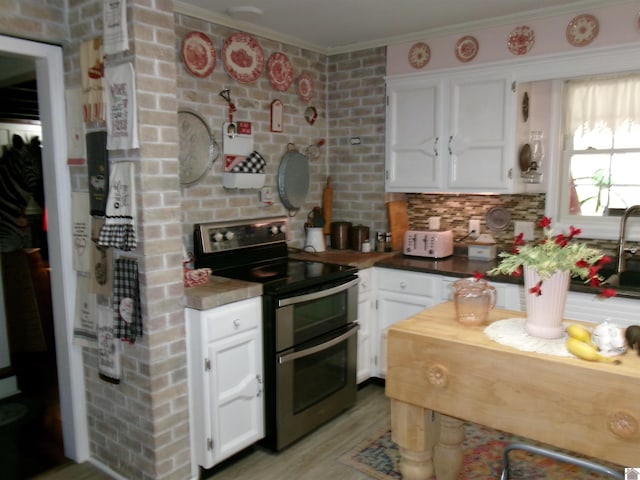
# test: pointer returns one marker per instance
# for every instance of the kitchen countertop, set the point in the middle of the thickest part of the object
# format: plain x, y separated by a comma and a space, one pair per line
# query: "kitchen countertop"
353, 258
220, 291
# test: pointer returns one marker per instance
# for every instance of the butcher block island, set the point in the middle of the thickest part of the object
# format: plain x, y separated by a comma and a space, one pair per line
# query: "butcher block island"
441, 372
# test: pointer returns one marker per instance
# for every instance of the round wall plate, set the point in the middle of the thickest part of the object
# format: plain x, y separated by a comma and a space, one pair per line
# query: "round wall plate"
498, 219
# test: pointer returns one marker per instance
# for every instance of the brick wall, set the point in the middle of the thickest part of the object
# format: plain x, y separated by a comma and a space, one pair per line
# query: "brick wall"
34, 19
356, 104
207, 200
140, 428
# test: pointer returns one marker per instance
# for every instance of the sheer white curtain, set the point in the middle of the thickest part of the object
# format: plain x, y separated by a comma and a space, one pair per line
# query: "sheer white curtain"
602, 103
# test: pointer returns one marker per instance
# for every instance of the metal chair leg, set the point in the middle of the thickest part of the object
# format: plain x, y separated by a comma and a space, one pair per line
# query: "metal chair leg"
556, 456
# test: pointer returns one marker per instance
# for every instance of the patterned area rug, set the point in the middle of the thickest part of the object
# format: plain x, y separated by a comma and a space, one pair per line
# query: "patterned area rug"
483, 450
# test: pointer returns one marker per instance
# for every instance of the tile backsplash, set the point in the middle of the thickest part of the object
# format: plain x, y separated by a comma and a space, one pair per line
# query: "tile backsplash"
455, 210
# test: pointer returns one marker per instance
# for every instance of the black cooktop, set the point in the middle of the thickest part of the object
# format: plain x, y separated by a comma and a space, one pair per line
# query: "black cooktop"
287, 275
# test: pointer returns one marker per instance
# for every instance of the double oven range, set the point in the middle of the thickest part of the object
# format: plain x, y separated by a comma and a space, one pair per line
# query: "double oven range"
309, 323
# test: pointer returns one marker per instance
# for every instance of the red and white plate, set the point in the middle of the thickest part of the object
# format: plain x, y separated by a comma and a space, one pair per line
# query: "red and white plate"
419, 55
305, 86
521, 39
582, 30
466, 48
243, 57
198, 54
280, 71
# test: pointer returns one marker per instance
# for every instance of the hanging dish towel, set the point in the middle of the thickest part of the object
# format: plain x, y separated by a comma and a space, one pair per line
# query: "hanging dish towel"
119, 229
126, 300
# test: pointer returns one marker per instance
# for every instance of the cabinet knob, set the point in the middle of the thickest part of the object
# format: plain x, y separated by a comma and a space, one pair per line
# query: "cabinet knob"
403, 285
236, 322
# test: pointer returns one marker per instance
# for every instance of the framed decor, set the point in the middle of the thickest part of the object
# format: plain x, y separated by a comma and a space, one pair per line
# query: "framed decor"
277, 111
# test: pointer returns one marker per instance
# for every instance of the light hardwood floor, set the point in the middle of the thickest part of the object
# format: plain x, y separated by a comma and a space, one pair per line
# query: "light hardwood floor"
315, 457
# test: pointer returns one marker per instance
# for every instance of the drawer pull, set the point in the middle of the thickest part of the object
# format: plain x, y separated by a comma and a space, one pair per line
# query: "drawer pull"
437, 375
403, 284
624, 425
236, 322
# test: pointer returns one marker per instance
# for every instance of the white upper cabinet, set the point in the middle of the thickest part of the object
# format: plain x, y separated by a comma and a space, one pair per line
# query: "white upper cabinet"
451, 134
414, 128
481, 156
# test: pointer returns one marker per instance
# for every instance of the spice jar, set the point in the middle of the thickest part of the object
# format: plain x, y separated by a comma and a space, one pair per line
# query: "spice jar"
388, 244
380, 244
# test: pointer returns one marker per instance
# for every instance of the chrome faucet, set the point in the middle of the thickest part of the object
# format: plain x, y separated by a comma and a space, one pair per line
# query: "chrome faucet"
623, 230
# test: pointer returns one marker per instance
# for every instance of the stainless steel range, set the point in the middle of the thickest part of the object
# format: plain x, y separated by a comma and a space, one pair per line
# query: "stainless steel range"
309, 323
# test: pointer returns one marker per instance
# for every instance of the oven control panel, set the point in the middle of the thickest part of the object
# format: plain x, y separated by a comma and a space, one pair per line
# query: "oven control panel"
219, 237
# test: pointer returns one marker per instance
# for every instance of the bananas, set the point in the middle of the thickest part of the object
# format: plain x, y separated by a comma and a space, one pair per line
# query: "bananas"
580, 333
587, 352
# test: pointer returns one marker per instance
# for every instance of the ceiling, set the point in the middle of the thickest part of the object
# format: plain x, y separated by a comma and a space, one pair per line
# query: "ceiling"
337, 26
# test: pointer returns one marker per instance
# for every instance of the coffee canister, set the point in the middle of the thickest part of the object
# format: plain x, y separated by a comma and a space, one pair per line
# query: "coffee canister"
340, 235
359, 233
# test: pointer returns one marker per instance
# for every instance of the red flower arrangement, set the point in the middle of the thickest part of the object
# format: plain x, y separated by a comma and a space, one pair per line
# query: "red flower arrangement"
552, 254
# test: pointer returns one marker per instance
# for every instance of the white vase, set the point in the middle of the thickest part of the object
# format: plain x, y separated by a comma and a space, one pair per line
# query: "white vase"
545, 312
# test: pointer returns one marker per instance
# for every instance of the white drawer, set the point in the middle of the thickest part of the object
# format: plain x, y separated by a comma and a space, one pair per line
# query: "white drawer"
233, 318
407, 282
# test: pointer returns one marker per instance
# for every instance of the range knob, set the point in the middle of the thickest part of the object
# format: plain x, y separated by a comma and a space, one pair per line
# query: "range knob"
274, 229
217, 237
229, 235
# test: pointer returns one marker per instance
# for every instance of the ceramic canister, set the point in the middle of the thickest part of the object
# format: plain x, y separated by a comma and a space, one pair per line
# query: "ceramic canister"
340, 235
359, 233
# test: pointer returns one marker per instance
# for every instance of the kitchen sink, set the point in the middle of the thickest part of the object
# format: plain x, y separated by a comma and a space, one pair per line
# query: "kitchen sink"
628, 278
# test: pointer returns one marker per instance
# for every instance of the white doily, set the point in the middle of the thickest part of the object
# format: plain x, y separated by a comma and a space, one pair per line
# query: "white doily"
511, 332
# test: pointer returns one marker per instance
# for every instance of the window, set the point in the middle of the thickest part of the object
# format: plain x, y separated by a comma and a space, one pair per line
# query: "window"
601, 167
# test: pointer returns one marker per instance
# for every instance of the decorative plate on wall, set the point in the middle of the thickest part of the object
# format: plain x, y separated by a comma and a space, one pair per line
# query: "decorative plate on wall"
243, 57
419, 55
582, 30
280, 71
305, 86
466, 48
520, 40
198, 54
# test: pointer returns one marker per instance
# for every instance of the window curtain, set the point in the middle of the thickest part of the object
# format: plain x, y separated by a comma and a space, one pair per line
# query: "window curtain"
602, 103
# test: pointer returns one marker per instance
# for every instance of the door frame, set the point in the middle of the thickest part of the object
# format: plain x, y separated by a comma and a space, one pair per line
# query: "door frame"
57, 183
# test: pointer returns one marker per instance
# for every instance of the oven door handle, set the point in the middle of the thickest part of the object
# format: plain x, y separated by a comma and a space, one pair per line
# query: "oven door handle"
317, 295
318, 348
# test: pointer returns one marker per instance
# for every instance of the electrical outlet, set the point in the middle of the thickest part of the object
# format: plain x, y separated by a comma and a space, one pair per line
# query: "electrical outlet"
526, 228
474, 226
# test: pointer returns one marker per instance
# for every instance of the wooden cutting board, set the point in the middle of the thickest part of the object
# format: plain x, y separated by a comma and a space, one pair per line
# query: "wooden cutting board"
398, 222
327, 206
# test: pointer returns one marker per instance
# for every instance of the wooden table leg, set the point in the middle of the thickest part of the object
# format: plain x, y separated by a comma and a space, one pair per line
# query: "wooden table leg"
447, 453
415, 430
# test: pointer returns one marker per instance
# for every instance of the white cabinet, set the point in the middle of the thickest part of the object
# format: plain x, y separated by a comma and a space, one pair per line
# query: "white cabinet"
401, 294
224, 350
451, 134
414, 124
367, 321
481, 135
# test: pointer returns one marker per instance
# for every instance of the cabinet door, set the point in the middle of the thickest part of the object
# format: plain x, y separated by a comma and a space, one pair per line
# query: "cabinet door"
393, 307
236, 390
365, 349
481, 128
413, 133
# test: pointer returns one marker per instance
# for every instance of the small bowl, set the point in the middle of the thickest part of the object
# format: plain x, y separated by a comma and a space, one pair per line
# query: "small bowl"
197, 277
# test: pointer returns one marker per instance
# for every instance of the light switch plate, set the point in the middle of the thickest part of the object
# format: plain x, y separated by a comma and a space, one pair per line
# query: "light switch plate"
526, 228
